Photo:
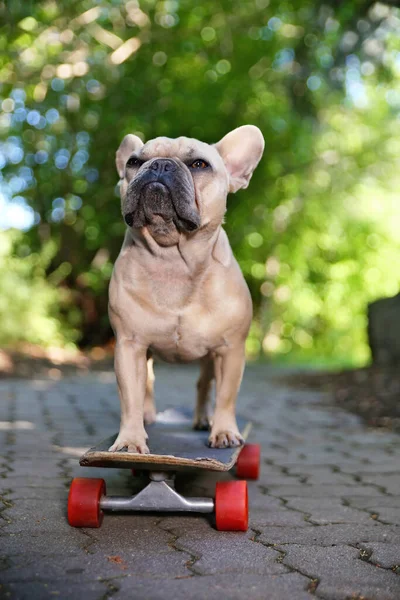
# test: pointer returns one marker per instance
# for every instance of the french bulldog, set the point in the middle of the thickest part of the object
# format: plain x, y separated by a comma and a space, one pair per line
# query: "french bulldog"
176, 290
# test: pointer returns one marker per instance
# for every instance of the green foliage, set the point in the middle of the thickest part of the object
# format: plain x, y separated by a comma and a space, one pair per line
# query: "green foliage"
28, 303
314, 231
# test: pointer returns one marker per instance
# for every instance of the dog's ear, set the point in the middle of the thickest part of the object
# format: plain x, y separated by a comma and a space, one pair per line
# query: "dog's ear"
131, 143
241, 151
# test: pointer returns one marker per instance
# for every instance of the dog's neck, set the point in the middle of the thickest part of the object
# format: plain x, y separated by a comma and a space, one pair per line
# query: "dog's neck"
194, 250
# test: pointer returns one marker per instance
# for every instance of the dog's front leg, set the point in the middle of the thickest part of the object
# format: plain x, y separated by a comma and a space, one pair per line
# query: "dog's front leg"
131, 370
229, 368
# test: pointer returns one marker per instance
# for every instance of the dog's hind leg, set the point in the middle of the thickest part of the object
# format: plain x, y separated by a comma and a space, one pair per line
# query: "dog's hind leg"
202, 411
149, 408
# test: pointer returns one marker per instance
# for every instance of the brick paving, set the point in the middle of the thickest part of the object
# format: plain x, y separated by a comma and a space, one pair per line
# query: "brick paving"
324, 515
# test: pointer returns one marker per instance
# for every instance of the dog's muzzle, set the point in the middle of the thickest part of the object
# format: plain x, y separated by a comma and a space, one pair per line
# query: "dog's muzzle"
162, 187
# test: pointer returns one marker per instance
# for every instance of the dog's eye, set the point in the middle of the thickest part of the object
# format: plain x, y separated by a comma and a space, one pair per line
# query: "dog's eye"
199, 164
133, 162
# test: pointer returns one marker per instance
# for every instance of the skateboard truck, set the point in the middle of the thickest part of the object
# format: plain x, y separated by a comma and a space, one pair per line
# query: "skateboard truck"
87, 499
158, 495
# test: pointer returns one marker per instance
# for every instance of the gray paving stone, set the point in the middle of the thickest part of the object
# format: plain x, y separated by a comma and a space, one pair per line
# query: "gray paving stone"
57, 493
378, 440
321, 474
385, 555
102, 565
72, 569
14, 481
342, 574
391, 465
176, 525
324, 511
28, 449
69, 542
92, 590
215, 587
330, 535
279, 479
374, 502
389, 482
36, 516
341, 514
259, 498
388, 515
322, 491
220, 552
131, 533
298, 459
26, 467
261, 517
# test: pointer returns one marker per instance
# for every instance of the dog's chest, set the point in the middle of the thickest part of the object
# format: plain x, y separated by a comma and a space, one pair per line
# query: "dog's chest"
169, 288
189, 325
187, 336
178, 314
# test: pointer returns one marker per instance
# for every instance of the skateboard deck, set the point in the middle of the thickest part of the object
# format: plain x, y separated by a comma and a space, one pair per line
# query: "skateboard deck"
174, 446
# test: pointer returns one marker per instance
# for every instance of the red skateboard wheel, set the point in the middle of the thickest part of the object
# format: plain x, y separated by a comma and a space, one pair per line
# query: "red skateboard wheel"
248, 462
231, 506
84, 502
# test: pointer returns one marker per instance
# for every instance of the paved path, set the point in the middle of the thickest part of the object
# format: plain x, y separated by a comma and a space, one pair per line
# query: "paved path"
324, 515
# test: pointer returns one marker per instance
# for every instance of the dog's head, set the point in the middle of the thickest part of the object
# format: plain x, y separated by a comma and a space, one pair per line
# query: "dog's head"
180, 185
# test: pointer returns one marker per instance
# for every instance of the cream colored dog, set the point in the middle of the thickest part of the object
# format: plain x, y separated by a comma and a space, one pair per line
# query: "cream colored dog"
176, 289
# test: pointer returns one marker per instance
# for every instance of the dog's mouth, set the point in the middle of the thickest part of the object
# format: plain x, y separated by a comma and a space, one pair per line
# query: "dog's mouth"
155, 200
163, 201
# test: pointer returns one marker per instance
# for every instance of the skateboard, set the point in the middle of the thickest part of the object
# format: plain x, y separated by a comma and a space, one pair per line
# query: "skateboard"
175, 448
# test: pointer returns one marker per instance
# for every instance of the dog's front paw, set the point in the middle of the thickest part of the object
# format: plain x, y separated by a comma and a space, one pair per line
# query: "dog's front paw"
225, 439
134, 442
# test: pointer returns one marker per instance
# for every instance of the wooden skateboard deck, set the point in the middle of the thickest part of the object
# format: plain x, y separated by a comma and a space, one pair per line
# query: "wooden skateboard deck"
173, 444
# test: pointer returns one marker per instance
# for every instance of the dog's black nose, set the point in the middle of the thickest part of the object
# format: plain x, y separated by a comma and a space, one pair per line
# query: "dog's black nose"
129, 219
162, 165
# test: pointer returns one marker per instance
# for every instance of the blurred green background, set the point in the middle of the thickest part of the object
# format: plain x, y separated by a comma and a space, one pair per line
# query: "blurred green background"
316, 233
